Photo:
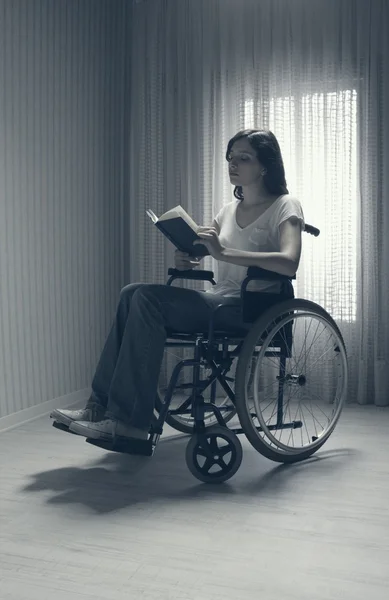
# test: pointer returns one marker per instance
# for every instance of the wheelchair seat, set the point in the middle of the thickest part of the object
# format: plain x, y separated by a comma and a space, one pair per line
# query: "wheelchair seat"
219, 335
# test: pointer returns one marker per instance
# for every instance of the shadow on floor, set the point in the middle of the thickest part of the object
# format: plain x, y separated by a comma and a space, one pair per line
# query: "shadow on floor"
115, 481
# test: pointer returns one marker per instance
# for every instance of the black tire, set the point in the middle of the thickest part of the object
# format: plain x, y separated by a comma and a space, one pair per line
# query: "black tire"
201, 444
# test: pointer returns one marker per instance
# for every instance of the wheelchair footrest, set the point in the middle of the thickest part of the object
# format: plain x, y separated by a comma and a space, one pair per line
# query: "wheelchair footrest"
125, 446
62, 427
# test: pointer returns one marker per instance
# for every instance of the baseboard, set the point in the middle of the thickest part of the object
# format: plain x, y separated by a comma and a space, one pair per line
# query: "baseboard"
35, 412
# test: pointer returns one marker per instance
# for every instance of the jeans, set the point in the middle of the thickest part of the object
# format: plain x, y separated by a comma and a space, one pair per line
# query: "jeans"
126, 378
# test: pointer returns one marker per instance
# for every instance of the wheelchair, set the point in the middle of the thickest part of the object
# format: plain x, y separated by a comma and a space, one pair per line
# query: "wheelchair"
283, 380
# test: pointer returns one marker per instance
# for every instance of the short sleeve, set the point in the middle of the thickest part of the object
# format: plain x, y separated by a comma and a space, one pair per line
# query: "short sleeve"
291, 208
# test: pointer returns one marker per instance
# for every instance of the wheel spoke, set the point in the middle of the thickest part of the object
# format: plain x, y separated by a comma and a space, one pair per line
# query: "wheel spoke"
224, 466
206, 449
214, 448
208, 465
202, 452
225, 450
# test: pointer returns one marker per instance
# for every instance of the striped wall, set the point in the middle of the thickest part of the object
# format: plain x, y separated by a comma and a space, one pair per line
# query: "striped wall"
61, 197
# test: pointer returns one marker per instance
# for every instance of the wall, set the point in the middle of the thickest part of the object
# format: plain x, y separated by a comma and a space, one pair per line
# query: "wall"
62, 76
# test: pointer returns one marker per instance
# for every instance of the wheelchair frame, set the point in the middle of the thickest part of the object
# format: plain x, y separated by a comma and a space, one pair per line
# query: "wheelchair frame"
250, 314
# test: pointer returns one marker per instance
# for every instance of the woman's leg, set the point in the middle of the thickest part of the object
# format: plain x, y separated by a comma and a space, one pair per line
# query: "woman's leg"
105, 369
153, 310
97, 403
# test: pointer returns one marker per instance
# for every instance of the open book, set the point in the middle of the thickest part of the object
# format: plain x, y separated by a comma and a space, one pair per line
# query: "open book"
180, 229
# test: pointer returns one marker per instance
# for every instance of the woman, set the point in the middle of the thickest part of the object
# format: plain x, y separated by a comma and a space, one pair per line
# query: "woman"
262, 229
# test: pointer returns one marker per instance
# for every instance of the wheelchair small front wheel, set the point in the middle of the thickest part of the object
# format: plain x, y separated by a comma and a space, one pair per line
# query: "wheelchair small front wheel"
215, 455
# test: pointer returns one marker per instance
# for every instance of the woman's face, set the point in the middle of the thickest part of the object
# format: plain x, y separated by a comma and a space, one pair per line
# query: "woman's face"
244, 168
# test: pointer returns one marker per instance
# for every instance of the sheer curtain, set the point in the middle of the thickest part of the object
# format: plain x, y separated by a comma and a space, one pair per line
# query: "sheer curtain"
315, 72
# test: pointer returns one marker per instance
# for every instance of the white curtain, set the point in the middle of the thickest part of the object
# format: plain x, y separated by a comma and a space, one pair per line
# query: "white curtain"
315, 72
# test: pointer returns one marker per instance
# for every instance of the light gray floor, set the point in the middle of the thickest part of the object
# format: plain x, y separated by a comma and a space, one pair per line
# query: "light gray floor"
79, 523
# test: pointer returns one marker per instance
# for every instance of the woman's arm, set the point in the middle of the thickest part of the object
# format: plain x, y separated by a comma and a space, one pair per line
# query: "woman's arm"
285, 262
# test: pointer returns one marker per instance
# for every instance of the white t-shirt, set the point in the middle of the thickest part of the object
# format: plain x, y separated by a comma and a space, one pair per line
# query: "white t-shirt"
262, 235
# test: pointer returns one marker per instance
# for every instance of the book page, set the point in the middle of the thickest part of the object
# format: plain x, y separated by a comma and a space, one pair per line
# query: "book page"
152, 215
178, 211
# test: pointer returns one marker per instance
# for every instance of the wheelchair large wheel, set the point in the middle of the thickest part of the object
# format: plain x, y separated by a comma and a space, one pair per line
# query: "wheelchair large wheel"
184, 422
215, 455
289, 406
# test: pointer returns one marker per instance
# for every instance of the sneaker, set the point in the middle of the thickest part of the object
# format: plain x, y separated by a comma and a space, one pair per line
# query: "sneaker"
107, 430
67, 417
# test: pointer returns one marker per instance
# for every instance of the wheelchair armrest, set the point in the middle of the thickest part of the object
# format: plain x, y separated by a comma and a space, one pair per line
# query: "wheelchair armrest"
265, 275
259, 273
249, 299
312, 230
199, 275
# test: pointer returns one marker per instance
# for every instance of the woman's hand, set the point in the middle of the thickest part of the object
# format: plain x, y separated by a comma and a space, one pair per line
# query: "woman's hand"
183, 261
210, 239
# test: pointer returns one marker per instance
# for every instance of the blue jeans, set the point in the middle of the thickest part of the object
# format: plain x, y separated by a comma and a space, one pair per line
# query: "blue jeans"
126, 378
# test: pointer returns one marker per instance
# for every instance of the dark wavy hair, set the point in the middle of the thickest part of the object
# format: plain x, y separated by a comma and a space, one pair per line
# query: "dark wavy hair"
268, 152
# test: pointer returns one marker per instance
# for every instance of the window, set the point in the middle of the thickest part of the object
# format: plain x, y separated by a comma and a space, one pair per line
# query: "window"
318, 137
